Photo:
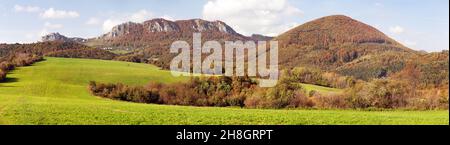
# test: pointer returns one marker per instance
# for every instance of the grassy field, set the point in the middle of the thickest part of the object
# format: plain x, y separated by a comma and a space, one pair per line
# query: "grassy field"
321, 89
55, 92
120, 51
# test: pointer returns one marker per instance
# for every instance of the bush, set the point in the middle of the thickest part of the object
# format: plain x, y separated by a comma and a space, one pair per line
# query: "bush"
16, 60
431, 99
330, 101
257, 99
237, 100
381, 93
389, 94
358, 97
300, 100
6, 66
23, 59
287, 93
2, 75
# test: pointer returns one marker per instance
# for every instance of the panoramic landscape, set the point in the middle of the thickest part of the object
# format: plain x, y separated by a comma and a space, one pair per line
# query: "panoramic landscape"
334, 69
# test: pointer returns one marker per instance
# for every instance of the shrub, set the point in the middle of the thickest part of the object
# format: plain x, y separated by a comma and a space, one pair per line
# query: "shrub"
2, 75
300, 100
6, 66
331, 101
380, 93
168, 95
23, 59
16, 60
358, 96
430, 99
237, 100
389, 94
287, 93
257, 99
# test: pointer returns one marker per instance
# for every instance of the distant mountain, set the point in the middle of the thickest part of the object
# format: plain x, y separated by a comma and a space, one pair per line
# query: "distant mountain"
161, 33
342, 44
157, 26
150, 41
59, 37
258, 37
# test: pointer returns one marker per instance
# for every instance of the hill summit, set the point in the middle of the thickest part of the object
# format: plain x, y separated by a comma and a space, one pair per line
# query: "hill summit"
332, 30
342, 44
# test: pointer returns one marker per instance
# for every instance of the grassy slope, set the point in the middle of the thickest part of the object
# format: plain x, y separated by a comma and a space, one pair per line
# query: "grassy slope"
321, 89
54, 92
120, 51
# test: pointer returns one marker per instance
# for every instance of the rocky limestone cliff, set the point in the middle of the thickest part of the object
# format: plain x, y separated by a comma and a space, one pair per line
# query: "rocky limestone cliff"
58, 37
162, 25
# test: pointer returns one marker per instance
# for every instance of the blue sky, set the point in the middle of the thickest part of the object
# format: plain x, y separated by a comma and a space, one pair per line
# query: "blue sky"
419, 24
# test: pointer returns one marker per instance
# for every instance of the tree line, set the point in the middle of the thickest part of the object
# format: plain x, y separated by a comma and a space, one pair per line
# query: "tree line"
14, 60
57, 49
385, 93
212, 91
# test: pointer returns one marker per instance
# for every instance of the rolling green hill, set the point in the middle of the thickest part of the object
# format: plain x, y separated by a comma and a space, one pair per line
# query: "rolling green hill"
55, 92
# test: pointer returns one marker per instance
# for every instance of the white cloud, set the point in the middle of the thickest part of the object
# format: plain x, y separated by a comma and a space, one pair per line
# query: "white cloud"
48, 28
397, 30
167, 17
52, 26
29, 9
110, 23
410, 44
43, 32
248, 17
138, 17
93, 21
29, 36
51, 13
379, 4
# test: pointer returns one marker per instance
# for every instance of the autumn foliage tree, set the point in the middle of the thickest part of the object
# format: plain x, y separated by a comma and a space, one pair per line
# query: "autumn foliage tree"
212, 91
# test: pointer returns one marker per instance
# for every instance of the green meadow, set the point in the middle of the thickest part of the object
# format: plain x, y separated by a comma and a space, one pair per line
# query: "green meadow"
320, 89
55, 91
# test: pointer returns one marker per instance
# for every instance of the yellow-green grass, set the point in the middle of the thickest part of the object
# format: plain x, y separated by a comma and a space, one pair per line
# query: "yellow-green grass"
320, 89
55, 92
120, 51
